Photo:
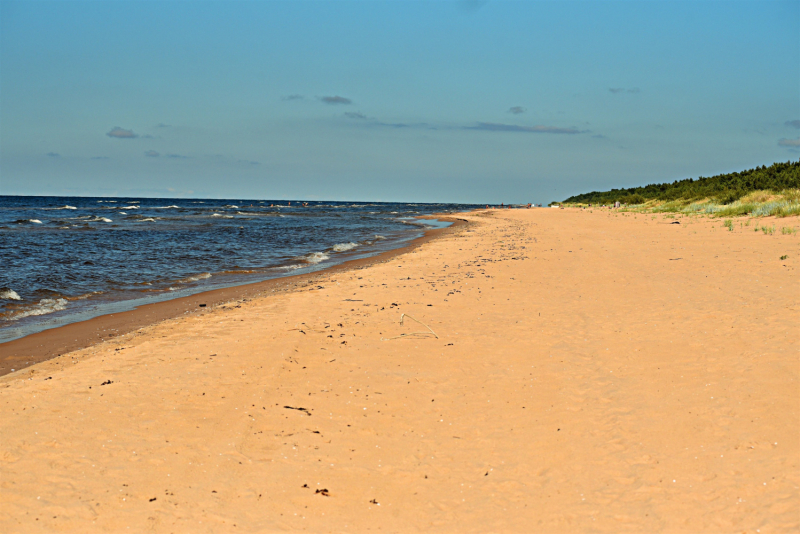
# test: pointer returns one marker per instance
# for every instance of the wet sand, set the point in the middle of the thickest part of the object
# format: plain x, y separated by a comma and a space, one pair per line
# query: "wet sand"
589, 372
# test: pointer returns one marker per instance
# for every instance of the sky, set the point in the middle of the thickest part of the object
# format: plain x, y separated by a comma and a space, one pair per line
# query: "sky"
444, 101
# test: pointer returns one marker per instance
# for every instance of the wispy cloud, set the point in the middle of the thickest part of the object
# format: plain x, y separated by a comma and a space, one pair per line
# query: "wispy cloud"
334, 100
496, 127
53, 155
793, 124
287, 98
121, 133
152, 154
355, 115
791, 143
517, 110
367, 122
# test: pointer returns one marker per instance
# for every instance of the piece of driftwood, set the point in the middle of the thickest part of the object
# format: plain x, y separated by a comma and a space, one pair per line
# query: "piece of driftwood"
402, 317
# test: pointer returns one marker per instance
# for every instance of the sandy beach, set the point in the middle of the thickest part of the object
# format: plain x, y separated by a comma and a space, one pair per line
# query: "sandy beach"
555, 371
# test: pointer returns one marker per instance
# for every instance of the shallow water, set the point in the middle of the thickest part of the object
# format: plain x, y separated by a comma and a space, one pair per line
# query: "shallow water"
68, 258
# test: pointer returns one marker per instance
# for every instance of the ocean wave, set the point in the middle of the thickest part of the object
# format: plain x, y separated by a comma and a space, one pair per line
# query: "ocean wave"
342, 247
67, 207
85, 296
166, 207
379, 237
315, 257
231, 206
221, 215
6, 293
91, 218
291, 267
253, 213
128, 207
43, 307
195, 278
146, 219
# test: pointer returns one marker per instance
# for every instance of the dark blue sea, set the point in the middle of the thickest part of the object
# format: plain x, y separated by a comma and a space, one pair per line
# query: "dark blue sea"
64, 259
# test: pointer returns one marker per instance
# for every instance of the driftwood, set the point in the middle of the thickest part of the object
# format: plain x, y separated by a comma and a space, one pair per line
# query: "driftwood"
402, 317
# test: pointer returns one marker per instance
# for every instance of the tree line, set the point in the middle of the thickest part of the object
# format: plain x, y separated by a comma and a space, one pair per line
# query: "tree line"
724, 188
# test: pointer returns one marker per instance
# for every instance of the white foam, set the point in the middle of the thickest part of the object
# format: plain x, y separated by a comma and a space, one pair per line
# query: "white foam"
231, 206
315, 257
123, 213
85, 296
378, 237
288, 267
165, 207
35, 221
341, 247
9, 294
223, 216
44, 307
147, 219
197, 277
129, 208
101, 219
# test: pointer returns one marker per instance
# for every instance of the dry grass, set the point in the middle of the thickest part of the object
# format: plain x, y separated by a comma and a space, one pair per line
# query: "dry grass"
756, 204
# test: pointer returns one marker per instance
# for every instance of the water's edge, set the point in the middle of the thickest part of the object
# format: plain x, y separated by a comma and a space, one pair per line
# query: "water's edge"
55, 340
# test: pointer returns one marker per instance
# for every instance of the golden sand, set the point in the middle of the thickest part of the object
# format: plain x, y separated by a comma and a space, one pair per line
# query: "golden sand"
590, 372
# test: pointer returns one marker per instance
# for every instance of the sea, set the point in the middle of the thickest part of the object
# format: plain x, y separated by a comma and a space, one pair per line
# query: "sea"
68, 259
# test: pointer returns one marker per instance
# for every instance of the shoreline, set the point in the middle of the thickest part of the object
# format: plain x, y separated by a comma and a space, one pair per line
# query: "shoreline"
41, 346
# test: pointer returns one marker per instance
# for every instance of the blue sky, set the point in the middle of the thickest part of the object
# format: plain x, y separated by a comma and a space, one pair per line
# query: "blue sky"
453, 101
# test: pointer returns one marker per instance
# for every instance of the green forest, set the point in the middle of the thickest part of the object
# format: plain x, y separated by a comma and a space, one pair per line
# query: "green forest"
723, 188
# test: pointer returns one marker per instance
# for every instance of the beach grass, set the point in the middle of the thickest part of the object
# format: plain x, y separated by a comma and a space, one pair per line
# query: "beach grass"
756, 204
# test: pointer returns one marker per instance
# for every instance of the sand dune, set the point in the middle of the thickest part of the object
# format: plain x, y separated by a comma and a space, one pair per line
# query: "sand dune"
593, 372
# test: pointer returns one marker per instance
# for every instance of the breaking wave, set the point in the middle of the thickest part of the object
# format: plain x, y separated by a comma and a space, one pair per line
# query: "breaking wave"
315, 257
43, 307
342, 247
6, 293
195, 278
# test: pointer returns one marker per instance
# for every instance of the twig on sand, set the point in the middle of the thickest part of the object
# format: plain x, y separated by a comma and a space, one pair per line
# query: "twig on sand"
402, 317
